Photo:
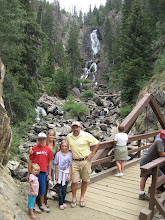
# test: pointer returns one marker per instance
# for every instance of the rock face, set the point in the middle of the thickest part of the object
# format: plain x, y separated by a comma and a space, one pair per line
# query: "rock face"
5, 130
13, 204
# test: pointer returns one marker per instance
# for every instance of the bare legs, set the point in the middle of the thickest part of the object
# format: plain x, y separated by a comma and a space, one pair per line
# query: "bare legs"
143, 183
120, 165
74, 190
83, 190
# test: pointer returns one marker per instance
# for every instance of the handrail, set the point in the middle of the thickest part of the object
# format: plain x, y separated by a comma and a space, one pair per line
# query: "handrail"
110, 144
153, 168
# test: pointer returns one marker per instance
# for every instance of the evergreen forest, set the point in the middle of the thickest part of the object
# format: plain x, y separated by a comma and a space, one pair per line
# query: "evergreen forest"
36, 59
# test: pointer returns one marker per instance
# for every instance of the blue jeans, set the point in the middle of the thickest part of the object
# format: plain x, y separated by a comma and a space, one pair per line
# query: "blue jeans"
62, 193
160, 173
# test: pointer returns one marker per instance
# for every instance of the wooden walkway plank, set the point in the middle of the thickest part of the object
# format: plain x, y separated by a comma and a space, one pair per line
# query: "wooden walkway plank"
117, 197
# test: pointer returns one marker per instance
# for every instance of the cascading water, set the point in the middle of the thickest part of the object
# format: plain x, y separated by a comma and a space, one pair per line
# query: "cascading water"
40, 112
91, 66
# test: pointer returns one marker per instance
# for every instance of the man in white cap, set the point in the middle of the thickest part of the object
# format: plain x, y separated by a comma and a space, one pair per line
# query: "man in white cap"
79, 142
42, 155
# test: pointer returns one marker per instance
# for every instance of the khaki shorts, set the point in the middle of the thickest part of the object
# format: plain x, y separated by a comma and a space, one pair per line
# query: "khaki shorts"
81, 170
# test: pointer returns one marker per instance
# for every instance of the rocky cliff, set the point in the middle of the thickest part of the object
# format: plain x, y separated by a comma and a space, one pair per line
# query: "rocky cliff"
5, 130
13, 205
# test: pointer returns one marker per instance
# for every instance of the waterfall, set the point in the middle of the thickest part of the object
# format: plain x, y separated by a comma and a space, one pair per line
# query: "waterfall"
95, 44
91, 66
40, 111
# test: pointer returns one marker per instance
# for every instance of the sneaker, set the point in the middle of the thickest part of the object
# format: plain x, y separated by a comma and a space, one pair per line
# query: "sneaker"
61, 207
144, 197
119, 174
65, 205
36, 209
44, 208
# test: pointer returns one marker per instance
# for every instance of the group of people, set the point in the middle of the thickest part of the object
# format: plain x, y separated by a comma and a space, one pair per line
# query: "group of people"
71, 160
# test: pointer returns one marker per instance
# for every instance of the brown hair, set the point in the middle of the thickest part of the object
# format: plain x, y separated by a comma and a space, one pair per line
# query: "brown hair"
64, 142
121, 128
36, 167
54, 133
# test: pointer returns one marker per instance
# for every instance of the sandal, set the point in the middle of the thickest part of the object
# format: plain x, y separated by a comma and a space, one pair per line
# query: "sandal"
73, 204
82, 204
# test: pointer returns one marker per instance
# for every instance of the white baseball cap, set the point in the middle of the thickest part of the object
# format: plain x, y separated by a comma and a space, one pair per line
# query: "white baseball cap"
42, 135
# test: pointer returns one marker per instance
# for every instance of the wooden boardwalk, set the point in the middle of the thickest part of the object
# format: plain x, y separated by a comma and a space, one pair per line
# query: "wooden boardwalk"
116, 196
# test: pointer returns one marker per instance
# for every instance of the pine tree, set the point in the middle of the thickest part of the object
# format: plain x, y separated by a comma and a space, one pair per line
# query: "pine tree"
136, 52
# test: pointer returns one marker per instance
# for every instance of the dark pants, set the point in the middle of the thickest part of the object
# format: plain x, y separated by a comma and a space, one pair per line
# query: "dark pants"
161, 188
62, 193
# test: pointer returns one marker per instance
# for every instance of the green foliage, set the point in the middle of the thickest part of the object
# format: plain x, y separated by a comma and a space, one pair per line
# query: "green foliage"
160, 63
115, 80
126, 109
77, 82
73, 52
60, 56
18, 131
87, 94
18, 102
85, 81
49, 68
75, 108
136, 51
12, 25
50, 86
58, 83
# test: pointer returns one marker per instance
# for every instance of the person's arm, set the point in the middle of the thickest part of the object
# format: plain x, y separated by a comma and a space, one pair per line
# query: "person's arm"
50, 170
115, 142
32, 187
56, 177
90, 156
70, 171
161, 154
30, 151
29, 168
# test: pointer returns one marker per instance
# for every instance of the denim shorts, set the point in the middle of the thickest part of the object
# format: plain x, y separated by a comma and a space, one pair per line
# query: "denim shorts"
42, 179
31, 200
160, 173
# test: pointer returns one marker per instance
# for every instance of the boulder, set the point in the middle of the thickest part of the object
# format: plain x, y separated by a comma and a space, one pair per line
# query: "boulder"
13, 166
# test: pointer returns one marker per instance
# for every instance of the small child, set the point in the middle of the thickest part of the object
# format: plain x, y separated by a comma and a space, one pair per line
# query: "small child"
63, 167
121, 152
33, 188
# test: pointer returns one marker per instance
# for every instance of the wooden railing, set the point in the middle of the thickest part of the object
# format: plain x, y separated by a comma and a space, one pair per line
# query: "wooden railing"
133, 152
155, 204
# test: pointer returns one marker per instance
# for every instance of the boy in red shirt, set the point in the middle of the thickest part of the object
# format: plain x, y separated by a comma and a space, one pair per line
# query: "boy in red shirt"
42, 155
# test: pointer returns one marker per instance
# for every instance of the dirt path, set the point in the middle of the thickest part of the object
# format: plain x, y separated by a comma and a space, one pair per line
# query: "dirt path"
69, 213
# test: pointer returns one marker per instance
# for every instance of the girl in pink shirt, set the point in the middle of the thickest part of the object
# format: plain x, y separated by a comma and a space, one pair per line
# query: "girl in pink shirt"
33, 188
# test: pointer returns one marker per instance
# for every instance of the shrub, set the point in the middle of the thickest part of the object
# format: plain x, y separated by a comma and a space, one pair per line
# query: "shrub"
125, 110
77, 82
87, 94
18, 131
75, 108
84, 81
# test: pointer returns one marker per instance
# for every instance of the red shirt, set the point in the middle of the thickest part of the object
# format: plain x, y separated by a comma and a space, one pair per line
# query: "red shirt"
41, 156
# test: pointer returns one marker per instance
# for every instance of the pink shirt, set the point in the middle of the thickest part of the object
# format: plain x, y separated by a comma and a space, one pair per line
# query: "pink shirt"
35, 184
